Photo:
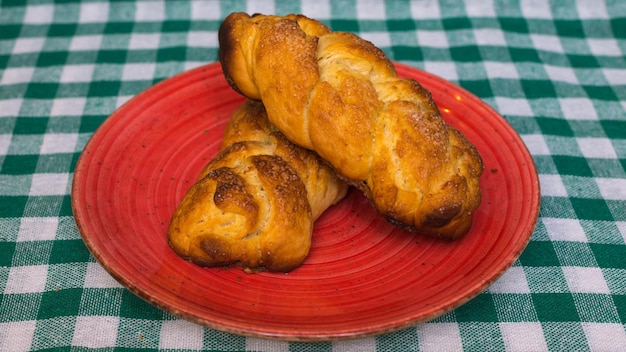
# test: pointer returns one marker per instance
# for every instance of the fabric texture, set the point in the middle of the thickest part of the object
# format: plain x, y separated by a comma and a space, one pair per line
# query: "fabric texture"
556, 71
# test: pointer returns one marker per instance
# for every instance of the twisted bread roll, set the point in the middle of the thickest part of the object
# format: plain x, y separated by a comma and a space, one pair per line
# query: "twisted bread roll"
339, 95
254, 205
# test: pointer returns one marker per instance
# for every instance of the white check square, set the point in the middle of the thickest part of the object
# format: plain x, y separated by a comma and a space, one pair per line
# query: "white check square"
54, 143
536, 144
612, 188
91, 12
86, 42
134, 72
439, 337
77, 73
585, 280
205, 10
144, 41
514, 106
605, 337
512, 281
14, 75
564, 230
202, 39
442, 69
37, 229
370, 9
562, 74
316, 9
255, 6
435, 39
523, 337
578, 109
536, 9
10, 107
552, 186
39, 14
489, 36
501, 70
547, 42
150, 11
604, 47
181, 334
95, 331
483, 8
591, 9
425, 10
67, 107
17, 336
615, 76
26, 279
601, 148
28, 45
97, 277
49, 184
380, 39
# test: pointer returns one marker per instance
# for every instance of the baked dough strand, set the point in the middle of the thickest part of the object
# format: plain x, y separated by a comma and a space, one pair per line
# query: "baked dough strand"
339, 95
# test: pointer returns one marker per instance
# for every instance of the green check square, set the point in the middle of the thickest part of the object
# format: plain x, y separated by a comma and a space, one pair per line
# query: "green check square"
136, 308
583, 61
524, 54
539, 253
6, 248
171, 54
569, 28
69, 251
10, 31
571, 165
19, 164
554, 126
89, 124
341, 25
30, 125
480, 88
591, 209
601, 93
104, 89
466, 53
536, 89
614, 129
57, 303
397, 25
62, 29
480, 308
12, 206
41, 90
513, 24
406, 53
555, 307
52, 58
112, 56
609, 255
118, 27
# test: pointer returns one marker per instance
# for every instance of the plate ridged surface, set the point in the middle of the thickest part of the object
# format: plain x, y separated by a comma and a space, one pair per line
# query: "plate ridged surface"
363, 276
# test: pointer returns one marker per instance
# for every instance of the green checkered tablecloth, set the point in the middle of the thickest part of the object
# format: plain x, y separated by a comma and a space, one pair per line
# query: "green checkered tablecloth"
555, 70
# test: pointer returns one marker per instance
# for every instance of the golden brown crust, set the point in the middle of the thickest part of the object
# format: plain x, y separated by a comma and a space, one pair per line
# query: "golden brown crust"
254, 205
339, 95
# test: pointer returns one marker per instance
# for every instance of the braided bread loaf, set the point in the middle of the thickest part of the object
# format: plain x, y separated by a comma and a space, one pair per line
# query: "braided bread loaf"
339, 95
254, 205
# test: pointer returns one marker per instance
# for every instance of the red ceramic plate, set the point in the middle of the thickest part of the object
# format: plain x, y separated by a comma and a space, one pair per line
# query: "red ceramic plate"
363, 276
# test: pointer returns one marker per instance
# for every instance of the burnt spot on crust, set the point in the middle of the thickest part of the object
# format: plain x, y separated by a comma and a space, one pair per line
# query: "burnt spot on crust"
230, 192
442, 216
227, 47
